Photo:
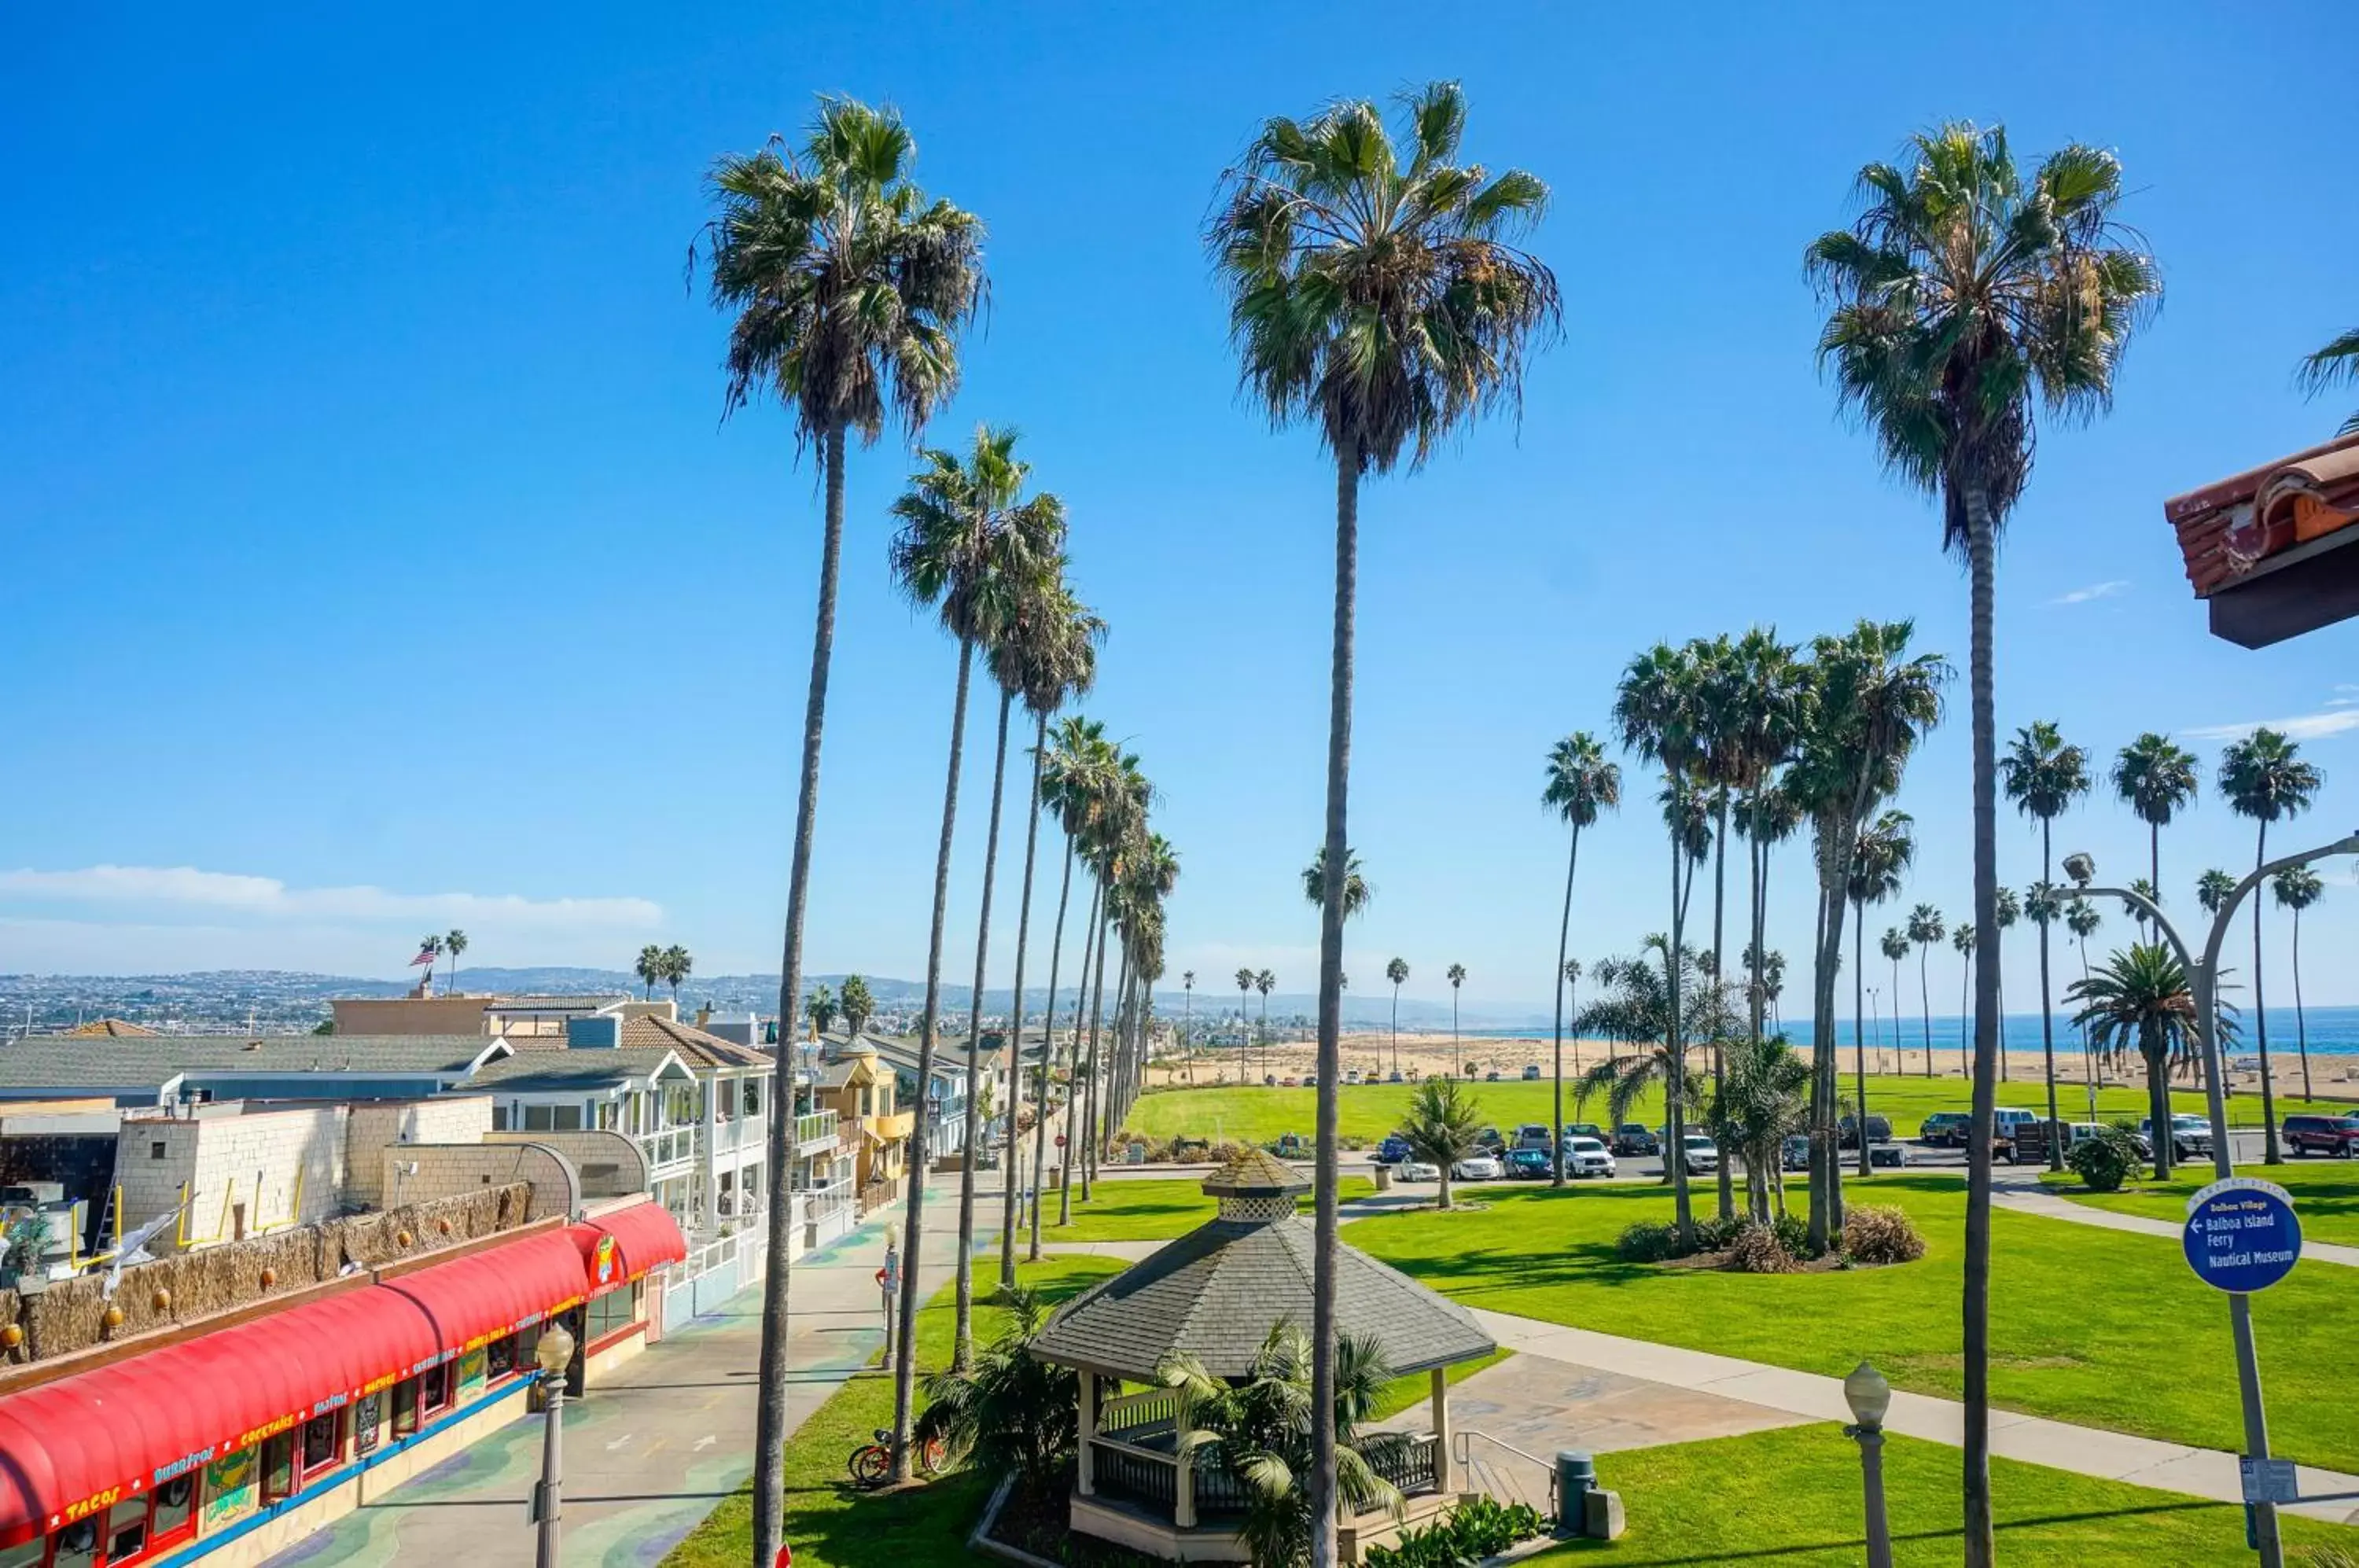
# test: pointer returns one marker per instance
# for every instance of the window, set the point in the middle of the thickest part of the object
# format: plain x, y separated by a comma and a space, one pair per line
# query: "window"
277, 1466
434, 1390
607, 1114
175, 1510
368, 1420
156, 1149
405, 1408
499, 1118
322, 1442
78, 1545
753, 1096
553, 1119
500, 1359
615, 1311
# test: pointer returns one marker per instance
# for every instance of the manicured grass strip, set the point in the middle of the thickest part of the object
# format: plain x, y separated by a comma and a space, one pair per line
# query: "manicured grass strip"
1368, 1111
832, 1524
1791, 1498
2325, 1194
2097, 1327
1150, 1209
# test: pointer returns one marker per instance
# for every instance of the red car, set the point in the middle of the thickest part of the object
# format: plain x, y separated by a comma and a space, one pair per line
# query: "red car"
2322, 1135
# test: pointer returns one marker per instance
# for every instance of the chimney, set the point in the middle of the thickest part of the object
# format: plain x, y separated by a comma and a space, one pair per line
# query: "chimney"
703, 1014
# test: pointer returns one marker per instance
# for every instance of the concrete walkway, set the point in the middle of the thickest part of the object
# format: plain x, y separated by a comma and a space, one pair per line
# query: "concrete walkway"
2086, 1451
2029, 1197
648, 1453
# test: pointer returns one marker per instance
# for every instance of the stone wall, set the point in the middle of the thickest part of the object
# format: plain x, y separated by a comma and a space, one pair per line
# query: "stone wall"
611, 1163
372, 1127
70, 1314
242, 1172
444, 1169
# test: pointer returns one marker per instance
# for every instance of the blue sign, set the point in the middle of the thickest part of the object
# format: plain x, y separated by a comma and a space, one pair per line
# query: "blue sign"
2241, 1235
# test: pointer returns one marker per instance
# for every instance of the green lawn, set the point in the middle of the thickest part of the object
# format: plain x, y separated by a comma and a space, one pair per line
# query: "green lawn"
1141, 1208
832, 1524
1791, 1498
2325, 1194
1369, 1111
2098, 1327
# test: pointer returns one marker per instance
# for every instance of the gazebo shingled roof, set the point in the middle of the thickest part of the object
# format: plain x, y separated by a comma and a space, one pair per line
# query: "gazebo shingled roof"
1216, 1293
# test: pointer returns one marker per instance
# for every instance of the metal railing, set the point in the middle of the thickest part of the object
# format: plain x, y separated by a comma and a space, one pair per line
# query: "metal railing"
1506, 1474
1136, 1474
1412, 1467
672, 1146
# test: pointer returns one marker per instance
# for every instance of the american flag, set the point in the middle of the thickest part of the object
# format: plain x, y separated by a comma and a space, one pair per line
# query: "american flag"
425, 955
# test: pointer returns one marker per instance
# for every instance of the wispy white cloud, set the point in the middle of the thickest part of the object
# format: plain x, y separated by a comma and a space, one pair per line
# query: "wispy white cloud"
268, 897
2094, 591
2334, 721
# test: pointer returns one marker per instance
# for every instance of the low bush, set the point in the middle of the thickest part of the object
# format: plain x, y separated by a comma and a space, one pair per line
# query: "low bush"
1713, 1234
1793, 1235
1879, 1233
1476, 1529
1759, 1249
2104, 1161
1649, 1242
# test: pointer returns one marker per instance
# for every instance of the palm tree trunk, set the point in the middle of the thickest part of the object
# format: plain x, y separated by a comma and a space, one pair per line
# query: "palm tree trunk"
962, 1351
1563, 938
2158, 1106
770, 1412
1675, 1053
2300, 1023
1048, 1013
1396, 1027
2047, 1018
1719, 976
1093, 1101
913, 1229
2269, 1151
1981, 1549
1110, 1111
1325, 1243
1925, 1000
1073, 1093
1858, 1034
1757, 886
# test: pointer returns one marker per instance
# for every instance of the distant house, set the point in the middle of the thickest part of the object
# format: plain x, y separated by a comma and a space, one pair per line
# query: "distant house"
115, 1029
862, 1092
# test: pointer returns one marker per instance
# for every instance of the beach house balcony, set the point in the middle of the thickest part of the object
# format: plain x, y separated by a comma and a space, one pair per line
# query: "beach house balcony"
671, 1150
817, 1132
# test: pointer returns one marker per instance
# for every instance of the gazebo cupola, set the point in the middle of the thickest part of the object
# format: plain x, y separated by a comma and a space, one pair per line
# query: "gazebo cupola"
1214, 1294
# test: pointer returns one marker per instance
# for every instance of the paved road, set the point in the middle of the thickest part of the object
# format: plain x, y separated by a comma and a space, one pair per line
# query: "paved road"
649, 1453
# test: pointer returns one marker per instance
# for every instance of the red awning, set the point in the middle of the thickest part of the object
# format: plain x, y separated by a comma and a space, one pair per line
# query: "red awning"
120, 1430
644, 1236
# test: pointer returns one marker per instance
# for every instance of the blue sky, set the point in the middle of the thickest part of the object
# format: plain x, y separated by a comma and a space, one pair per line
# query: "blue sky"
379, 559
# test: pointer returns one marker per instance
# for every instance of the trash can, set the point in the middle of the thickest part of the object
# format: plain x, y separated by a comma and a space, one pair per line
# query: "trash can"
1383, 1178
1576, 1478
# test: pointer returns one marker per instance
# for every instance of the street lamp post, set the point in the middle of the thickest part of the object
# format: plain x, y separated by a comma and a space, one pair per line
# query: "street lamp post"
554, 1353
1869, 1396
2203, 980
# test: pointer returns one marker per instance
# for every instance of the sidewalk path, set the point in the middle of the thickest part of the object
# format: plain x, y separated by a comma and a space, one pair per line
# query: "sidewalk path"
2027, 1196
649, 1453
2086, 1451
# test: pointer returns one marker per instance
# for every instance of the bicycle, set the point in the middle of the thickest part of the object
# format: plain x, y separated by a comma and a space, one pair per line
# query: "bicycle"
872, 1463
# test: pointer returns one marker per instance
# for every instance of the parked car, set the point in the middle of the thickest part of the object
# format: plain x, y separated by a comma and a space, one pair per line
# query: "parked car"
1477, 1167
1699, 1155
1586, 1156
2004, 1123
1489, 1142
2189, 1135
1794, 1154
1532, 1135
1532, 1073
1290, 1082
1946, 1129
2337, 1136
1393, 1150
1894, 1155
1633, 1140
1418, 1170
1352, 1075
1584, 1129
1393, 1076
1491, 1076
1527, 1164
1879, 1130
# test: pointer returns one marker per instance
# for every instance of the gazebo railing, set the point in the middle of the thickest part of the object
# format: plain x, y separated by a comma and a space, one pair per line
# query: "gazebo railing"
1137, 1475
1413, 1466
1148, 1477
1157, 1410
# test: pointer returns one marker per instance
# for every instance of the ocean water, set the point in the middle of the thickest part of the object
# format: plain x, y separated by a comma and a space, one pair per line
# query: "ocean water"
2331, 1030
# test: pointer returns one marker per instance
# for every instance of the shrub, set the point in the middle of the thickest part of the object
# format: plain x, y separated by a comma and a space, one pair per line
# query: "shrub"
1793, 1235
1759, 1249
1713, 1234
1878, 1233
2102, 1162
1476, 1529
1648, 1242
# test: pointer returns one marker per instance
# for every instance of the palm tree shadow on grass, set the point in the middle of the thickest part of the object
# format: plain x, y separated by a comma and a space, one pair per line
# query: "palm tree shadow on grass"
1856, 1544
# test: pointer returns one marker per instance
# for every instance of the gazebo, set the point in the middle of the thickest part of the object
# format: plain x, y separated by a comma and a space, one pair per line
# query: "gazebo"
1215, 1294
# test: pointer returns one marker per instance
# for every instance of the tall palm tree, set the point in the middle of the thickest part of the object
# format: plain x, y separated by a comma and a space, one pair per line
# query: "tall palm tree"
1894, 944
1866, 703
2155, 778
1634, 1008
1925, 929
974, 548
1244, 1029
430, 951
2336, 364
1397, 973
1767, 706
1052, 659
454, 942
1356, 891
1655, 710
2296, 887
1187, 1018
2139, 1000
1770, 818
2264, 777
677, 967
1264, 983
1962, 941
857, 1005
1571, 973
2043, 775
849, 289
1883, 852
1962, 294
649, 968
2212, 890
2082, 918
1581, 782
1765, 1097
1723, 766
1457, 973
2007, 909
1069, 780
1375, 292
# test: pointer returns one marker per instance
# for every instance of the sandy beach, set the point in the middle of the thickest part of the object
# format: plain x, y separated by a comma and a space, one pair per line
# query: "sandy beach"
1374, 1054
